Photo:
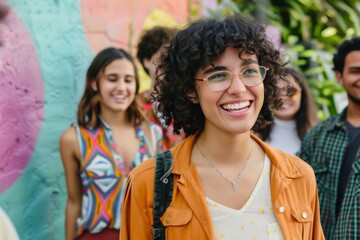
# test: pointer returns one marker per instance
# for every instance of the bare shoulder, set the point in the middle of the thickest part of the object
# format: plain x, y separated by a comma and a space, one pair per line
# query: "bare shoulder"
68, 136
69, 143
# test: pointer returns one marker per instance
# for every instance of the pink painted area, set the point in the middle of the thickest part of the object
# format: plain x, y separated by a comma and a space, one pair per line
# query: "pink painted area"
21, 99
119, 23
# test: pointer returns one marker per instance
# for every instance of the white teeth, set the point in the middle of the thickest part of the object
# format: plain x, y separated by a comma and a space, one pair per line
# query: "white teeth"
285, 106
236, 106
120, 97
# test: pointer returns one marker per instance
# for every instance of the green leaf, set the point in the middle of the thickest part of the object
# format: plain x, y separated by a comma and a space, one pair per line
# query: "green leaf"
352, 14
322, 101
328, 32
314, 70
308, 53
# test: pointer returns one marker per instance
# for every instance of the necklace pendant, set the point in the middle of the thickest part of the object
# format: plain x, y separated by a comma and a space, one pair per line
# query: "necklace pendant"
234, 185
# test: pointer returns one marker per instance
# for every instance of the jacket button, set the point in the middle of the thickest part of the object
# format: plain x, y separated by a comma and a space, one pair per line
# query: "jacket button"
304, 215
167, 220
282, 209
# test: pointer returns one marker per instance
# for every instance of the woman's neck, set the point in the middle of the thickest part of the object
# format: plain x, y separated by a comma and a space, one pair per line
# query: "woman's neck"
115, 119
227, 148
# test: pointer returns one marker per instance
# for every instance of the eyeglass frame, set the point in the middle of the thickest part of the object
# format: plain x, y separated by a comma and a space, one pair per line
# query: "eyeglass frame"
205, 79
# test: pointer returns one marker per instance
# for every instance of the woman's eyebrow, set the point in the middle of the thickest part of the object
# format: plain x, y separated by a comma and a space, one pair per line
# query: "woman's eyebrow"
215, 68
248, 61
111, 75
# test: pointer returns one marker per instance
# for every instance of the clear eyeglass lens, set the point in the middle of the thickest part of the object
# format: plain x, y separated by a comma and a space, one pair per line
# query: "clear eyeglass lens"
250, 77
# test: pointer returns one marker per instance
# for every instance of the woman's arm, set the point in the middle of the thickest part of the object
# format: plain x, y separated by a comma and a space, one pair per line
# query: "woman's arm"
70, 155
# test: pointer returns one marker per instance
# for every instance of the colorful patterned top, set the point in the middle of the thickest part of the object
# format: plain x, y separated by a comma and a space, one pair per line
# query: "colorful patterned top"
104, 174
169, 138
324, 147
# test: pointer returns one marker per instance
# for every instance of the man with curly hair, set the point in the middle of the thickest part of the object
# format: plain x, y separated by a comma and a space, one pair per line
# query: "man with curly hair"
153, 43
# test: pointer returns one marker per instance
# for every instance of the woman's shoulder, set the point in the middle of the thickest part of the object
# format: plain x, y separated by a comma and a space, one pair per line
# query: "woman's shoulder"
299, 163
143, 174
292, 163
69, 136
68, 144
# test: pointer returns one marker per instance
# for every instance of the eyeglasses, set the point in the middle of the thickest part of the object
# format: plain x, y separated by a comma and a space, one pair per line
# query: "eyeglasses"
221, 80
293, 93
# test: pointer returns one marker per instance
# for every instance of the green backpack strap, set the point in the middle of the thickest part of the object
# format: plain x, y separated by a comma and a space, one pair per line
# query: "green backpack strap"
163, 191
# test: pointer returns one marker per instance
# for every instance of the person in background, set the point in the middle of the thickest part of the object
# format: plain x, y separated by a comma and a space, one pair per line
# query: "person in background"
111, 137
152, 44
296, 115
7, 229
218, 82
332, 149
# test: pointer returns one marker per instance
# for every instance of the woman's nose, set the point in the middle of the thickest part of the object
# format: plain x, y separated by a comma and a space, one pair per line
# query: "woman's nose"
237, 85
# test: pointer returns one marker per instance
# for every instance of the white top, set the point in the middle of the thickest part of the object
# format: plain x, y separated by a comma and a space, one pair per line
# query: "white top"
284, 136
255, 220
7, 229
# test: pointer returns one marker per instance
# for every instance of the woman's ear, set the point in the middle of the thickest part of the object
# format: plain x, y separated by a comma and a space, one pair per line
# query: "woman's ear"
94, 85
193, 97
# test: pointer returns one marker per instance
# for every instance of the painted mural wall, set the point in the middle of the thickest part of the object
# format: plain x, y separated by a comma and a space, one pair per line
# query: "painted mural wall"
45, 49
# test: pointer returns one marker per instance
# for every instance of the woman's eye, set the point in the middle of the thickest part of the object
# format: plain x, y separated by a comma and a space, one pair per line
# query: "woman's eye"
129, 79
250, 71
112, 79
219, 76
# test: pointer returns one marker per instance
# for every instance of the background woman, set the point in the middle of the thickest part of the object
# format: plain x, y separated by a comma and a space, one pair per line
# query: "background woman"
110, 138
296, 115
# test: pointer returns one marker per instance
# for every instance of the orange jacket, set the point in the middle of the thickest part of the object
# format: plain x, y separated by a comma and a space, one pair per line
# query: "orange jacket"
293, 190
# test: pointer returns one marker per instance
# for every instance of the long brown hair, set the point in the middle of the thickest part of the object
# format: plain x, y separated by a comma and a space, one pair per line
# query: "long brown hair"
89, 107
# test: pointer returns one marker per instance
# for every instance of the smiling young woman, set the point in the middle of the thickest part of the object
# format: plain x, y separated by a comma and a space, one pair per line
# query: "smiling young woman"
219, 81
110, 138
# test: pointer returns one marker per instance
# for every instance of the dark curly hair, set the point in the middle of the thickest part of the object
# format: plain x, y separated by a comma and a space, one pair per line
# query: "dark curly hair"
151, 41
196, 47
343, 50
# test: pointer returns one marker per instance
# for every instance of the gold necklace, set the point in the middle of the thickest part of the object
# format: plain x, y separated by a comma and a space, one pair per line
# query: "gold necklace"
234, 182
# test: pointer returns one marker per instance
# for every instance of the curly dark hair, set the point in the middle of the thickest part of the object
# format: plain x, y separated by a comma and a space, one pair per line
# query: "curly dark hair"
305, 117
151, 41
343, 50
196, 47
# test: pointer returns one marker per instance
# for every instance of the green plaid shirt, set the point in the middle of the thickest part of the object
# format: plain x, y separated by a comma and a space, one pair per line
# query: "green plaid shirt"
324, 148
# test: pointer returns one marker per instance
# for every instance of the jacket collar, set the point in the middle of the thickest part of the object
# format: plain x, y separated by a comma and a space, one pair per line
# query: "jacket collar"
338, 120
283, 170
279, 159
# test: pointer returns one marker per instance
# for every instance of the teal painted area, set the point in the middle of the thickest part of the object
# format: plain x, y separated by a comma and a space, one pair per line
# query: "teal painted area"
36, 202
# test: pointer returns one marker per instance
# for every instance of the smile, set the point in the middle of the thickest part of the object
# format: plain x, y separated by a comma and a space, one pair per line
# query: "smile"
236, 106
119, 97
